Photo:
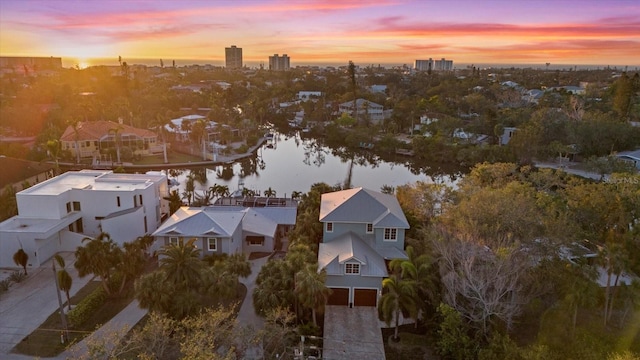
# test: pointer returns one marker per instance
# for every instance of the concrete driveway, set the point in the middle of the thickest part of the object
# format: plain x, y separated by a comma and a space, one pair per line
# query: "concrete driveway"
27, 304
352, 333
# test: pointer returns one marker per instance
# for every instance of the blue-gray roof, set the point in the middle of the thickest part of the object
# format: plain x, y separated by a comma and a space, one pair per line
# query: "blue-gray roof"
348, 247
361, 205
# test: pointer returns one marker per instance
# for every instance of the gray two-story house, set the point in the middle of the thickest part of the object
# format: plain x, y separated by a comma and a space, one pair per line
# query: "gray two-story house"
363, 231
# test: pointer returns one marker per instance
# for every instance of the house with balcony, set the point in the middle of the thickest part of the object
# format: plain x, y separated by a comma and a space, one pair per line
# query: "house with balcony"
228, 229
363, 231
56, 214
93, 138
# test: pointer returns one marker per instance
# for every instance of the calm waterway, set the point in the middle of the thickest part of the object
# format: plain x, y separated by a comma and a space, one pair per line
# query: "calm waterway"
290, 163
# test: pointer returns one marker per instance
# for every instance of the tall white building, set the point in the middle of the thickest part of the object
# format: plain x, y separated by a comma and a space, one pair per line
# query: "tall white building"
279, 63
434, 65
55, 215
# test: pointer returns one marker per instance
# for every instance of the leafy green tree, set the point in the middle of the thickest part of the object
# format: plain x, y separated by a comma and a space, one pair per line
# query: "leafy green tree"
453, 340
21, 258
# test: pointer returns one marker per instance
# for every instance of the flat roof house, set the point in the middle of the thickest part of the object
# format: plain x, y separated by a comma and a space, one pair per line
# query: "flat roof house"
55, 215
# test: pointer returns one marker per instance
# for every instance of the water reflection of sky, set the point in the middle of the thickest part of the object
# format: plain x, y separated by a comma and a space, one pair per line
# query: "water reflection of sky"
293, 164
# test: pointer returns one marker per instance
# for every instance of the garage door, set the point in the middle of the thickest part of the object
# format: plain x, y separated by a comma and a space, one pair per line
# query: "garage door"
365, 297
339, 296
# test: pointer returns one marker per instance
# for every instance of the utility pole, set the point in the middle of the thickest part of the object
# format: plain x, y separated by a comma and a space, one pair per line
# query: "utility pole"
63, 317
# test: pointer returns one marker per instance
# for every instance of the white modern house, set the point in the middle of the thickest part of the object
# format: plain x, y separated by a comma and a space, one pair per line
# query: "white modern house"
55, 215
363, 231
227, 229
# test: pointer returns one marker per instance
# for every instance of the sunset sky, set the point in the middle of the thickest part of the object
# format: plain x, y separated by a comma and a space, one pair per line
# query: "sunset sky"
580, 32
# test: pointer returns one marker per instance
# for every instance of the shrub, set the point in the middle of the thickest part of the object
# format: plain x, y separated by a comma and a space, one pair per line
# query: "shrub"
87, 307
17, 276
4, 285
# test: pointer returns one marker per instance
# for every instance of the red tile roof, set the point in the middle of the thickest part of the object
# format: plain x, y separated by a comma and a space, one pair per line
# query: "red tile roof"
94, 130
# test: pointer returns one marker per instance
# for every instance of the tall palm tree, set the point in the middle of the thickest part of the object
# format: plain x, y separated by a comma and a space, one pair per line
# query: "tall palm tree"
117, 137
64, 279
399, 296
54, 148
311, 290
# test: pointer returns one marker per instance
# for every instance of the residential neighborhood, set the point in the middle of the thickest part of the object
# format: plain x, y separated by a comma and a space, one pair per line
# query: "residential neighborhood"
394, 185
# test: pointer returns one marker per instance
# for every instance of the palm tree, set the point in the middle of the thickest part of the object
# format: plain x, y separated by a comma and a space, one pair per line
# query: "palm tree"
117, 136
74, 123
399, 297
311, 290
269, 192
189, 188
101, 256
64, 279
54, 148
21, 258
295, 195
152, 296
182, 265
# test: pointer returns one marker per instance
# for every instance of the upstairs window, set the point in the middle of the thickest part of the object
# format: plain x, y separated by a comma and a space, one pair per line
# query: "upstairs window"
329, 227
68, 207
76, 206
173, 241
118, 200
369, 228
390, 234
212, 244
352, 269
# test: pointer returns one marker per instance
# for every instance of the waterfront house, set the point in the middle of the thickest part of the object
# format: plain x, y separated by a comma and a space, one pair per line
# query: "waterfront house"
228, 229
363, 231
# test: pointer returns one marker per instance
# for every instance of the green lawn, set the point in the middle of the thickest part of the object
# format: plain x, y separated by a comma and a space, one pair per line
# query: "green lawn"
45, 340
172, 156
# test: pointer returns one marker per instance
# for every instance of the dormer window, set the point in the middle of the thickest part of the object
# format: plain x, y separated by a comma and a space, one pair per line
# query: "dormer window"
390, 234
329, 227
352, 269
369, 228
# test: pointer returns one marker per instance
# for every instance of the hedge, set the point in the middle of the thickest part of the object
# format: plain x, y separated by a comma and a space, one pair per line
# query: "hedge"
87, 307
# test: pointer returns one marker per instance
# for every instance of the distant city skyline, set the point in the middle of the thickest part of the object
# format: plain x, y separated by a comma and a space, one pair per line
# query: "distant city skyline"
323, 32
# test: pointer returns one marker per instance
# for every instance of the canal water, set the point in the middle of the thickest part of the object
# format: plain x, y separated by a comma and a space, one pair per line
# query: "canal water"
290, 163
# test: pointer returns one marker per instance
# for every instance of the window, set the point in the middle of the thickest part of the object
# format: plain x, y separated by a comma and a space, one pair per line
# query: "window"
212, 244
352, 269
329, 227
140, 197
118, 200
88, 143
68, 207
390, 234
135, 201
369, 228
255, 240
76, 206
146, 228
173, 241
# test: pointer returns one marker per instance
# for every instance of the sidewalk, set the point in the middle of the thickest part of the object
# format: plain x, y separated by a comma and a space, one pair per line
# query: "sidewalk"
566, 167
28, 304
247, 315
